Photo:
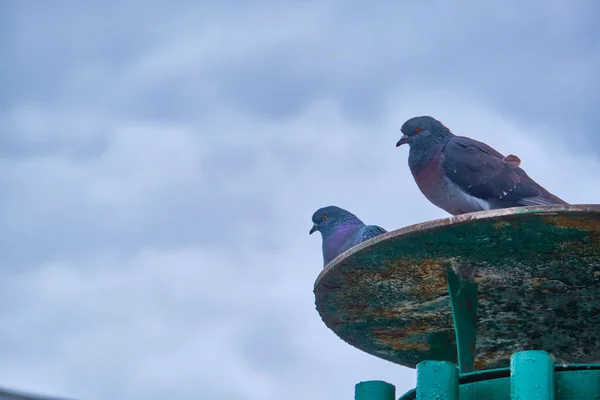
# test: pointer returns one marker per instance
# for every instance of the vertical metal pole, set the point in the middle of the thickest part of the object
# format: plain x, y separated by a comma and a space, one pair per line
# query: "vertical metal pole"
374, 390
532, 376
437, 380
463, 300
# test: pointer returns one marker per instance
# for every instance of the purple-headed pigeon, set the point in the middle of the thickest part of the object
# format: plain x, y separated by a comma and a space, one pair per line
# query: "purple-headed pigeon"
341, 230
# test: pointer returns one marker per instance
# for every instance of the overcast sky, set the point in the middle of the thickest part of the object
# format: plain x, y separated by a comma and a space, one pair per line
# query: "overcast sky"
160, 163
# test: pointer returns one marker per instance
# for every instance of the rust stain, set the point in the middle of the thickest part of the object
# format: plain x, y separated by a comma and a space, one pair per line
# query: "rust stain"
393, 334
411, 329
357, 306
396, 345
487, 358
567, 221
500, 225
387, 313
425, 276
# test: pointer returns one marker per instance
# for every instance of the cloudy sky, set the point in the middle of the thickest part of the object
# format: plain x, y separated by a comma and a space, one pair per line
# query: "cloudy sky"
160, 162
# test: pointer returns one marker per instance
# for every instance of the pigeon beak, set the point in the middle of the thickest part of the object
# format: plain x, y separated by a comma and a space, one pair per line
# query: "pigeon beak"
313, 229
403, 140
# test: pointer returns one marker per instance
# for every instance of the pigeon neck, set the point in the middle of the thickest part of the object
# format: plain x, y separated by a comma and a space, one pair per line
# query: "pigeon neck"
343, 227
423, 152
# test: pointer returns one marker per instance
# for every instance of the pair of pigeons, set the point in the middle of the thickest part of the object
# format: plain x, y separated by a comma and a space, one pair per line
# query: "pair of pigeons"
458, 174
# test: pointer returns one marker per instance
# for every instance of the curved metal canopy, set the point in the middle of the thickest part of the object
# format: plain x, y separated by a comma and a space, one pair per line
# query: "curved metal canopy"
537, 272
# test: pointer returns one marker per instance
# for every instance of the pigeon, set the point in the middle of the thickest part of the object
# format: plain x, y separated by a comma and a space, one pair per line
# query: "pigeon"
340, 230
461, 175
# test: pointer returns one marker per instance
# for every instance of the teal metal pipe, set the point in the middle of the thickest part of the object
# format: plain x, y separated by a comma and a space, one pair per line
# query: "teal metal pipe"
374, 390
532, 376
437, 380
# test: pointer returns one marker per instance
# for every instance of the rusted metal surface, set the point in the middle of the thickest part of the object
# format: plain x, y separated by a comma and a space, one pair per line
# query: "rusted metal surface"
537, 271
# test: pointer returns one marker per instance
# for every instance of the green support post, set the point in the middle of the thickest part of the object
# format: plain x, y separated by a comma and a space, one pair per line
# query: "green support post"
374, 390
437, 380
531, 376
463, 300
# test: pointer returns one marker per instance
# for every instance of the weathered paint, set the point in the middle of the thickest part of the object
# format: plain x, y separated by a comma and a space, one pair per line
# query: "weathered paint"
572, 382
437, 380
374, 390
532, 376
537, 271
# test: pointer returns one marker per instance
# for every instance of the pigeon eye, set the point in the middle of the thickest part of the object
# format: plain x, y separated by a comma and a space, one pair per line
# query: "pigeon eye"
325, 217
418, 130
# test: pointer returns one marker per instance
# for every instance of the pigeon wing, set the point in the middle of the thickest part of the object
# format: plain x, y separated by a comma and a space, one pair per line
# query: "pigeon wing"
370, 231
482, 172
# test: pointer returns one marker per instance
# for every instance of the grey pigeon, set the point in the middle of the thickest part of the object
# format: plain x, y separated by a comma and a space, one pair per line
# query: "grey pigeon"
461, 175
340, 230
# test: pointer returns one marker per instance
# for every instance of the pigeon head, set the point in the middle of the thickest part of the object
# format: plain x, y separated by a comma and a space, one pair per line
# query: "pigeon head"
327, 219
418, 129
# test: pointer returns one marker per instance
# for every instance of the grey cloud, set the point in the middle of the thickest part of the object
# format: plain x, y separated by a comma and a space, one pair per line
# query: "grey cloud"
160, 164
537, 69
